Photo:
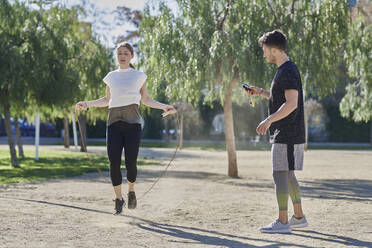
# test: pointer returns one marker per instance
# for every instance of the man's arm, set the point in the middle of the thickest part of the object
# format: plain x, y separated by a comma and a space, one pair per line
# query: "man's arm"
291, 102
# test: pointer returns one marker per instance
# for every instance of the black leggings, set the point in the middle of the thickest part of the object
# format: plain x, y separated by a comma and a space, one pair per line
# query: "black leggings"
128, 136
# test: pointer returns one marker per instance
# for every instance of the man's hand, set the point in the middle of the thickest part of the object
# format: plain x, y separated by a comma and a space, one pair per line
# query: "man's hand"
263, 126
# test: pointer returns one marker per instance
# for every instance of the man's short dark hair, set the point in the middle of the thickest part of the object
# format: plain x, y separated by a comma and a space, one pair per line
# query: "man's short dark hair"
275, 38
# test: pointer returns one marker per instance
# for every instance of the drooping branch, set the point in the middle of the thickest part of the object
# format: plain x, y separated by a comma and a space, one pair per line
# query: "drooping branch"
278, 24
221, 23
293, 5
130, 35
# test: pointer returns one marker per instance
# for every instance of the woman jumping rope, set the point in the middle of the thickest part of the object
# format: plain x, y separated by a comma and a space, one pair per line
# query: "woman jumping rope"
125, 88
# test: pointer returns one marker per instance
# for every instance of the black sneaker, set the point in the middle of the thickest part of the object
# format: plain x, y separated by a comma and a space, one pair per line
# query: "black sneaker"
119, 205
132, 201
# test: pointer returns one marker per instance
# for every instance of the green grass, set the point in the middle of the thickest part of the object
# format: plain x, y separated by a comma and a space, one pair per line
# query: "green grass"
51, 165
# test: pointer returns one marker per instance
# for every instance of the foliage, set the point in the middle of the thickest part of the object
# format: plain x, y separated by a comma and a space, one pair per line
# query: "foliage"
50, 59
357, 103
211, 38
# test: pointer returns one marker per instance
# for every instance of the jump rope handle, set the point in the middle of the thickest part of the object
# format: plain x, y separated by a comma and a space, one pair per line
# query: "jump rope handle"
247, 88
165, 113
86, 108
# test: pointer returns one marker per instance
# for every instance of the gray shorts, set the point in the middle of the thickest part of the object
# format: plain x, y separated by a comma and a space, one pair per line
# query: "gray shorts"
287, 157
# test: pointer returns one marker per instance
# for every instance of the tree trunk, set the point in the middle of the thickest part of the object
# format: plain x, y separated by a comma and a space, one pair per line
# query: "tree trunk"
229, 131
19, 138
83, 132
66, 133
8, 126
166, 128
181, 129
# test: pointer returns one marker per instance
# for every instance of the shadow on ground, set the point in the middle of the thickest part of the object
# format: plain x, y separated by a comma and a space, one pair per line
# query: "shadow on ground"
193, 235
334, 189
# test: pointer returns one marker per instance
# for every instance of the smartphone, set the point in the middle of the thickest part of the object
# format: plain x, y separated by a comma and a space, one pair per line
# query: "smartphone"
246, 87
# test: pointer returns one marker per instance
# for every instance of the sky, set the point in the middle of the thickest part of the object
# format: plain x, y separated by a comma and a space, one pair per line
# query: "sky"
100, 13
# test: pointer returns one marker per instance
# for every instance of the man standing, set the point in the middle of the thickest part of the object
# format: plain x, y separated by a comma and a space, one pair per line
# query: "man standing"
287, 130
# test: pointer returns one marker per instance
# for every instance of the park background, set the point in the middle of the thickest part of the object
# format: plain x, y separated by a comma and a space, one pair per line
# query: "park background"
196, 54
219, 189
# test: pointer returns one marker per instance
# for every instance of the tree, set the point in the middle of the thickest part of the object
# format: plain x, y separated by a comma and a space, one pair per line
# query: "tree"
96, 64
47, 57
212, 45
357, 102
77, 73
127, 15
12, 38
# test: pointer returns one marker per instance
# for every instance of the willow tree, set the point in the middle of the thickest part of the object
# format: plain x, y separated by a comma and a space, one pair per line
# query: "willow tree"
70, 65
357, 102
97, 62
211, 46
15, 21
44, 58
53, 53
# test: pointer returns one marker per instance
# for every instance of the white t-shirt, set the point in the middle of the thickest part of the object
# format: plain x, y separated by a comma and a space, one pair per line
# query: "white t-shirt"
125, 85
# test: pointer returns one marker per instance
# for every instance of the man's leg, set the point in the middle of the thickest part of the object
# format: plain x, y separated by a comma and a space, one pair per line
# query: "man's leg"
294, 192
281, 225
282, 190
280, 163
298, 220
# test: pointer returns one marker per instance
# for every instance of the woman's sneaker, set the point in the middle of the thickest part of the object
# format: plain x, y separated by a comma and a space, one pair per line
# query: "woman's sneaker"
119, 205
276, 227
132, 201
298, 223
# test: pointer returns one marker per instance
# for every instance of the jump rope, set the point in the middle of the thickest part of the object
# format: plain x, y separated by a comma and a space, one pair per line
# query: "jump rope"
163, 171
251, 101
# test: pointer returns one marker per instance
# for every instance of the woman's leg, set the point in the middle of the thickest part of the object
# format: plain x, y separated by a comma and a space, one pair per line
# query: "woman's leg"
115, 146
131, 148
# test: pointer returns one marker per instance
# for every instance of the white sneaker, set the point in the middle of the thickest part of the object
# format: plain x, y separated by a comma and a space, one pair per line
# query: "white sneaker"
298, 223
276, 227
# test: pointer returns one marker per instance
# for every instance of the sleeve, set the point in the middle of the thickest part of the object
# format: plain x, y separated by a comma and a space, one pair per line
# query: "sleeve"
106, 79
143, 78
289, 80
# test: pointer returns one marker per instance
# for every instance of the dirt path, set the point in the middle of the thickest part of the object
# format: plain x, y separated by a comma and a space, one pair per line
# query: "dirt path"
195, 205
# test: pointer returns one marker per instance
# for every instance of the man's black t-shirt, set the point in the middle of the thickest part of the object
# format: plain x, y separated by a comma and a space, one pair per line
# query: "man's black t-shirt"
291, 129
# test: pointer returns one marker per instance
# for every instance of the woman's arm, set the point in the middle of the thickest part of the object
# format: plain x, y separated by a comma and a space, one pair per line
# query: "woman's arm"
102, 102
149, 102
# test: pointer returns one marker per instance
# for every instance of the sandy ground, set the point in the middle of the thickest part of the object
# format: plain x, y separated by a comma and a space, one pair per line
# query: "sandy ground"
195, 205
